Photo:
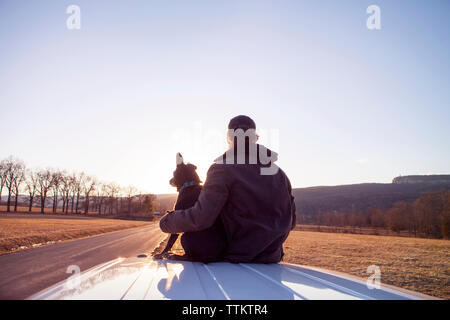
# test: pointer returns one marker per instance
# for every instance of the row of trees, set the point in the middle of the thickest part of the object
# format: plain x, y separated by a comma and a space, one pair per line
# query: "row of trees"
427, 216
68, 192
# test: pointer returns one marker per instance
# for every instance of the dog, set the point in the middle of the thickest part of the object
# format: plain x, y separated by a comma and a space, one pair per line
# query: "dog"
188, 184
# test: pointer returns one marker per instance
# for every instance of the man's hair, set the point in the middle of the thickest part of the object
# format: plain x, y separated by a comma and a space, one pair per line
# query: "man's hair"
241, 126
241, 122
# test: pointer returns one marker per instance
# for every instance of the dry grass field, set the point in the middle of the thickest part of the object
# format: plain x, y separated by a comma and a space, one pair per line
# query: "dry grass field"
355, 230
24, 209
23, 230
421, 265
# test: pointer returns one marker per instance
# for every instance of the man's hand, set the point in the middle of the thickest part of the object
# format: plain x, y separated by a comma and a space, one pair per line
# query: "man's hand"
207, 208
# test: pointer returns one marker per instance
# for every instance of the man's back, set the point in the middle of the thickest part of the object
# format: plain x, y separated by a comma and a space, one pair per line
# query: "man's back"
258, 214
257, 211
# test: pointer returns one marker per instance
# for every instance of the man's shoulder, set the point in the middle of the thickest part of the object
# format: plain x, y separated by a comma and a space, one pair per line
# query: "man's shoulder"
215, 167
285, 177
217, 172
282, 173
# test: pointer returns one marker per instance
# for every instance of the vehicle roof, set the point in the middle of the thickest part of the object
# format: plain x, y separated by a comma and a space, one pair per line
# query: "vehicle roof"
147, 278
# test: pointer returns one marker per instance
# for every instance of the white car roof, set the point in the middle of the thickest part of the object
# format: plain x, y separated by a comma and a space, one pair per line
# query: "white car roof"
147, 278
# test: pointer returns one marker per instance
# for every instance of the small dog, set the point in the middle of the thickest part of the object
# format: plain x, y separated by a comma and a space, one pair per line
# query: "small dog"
187, 182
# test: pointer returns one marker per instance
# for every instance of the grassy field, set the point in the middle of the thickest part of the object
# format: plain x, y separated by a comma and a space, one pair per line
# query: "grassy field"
355, 230
24, 209
23, 230
421, 265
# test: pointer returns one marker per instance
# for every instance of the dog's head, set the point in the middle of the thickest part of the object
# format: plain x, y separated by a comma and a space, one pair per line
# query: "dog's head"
184, 173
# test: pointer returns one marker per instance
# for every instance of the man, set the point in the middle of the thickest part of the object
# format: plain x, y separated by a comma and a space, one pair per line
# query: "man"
245, 210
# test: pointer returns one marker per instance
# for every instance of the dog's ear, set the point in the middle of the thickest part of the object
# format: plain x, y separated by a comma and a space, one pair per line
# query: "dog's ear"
179, 159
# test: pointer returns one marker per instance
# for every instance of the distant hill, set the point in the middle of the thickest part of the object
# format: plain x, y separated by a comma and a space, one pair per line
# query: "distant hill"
366, 195
428, 179
166, 201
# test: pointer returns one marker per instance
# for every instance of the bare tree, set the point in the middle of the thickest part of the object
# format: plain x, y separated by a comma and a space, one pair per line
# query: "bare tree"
119, 199
88, 186
429, 208
140, 197
108, 198
100, 195
13, 168
31, 185
65, 190
2, 180
75, 190
446, 215
20, 178
130, 192
112, 191
45, 183
57, 177
77, 187
73, 181
147, 206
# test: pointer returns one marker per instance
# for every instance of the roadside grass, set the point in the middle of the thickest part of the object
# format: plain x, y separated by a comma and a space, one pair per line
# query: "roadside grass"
35, 209
421, 265
22, 231
356, 230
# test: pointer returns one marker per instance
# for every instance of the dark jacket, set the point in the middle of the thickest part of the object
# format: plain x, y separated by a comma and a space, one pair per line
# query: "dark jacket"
257, 211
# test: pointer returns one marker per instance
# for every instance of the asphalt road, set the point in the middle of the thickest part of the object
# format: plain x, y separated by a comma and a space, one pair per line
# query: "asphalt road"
27, 272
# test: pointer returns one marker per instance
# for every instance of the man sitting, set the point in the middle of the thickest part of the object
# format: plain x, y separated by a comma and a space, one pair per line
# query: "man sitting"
245, 210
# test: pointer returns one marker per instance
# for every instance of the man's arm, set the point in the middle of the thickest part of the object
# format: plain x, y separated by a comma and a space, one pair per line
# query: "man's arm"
207, 208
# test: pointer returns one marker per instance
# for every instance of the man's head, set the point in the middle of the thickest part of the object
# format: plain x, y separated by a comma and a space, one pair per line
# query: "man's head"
244, 123
241, 122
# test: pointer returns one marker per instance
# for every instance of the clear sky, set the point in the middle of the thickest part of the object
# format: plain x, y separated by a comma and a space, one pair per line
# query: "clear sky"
142, 80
